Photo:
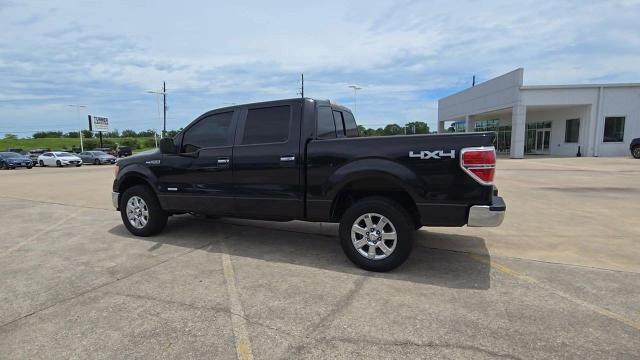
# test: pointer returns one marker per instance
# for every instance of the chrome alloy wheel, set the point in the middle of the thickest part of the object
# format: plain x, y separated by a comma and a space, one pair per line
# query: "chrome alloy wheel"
636, 152
374, 236
137, 212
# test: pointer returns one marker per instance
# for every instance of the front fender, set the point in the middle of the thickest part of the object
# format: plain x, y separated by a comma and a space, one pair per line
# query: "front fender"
135, 171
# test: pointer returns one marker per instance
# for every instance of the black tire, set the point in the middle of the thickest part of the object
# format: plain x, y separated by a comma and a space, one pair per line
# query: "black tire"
157, 217
5, 166
96, 162
400, 220
635, 152
78, 165
41, 163
58, 163
29, 167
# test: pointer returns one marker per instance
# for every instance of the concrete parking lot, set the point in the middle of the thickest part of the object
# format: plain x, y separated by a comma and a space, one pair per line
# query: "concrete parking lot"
559, 279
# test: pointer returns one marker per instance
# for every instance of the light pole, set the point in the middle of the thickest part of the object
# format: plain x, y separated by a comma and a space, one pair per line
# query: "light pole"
78, 106
355, 90
164, 107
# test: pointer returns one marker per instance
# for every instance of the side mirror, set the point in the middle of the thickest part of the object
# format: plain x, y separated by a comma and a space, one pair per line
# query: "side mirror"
167, 146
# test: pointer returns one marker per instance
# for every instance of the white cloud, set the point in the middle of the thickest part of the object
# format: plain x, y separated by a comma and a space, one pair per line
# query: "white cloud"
405, 54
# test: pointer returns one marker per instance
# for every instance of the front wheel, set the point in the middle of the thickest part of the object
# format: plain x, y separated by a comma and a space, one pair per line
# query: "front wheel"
41, 163
141, 212
58, 163
636, 152
376, 234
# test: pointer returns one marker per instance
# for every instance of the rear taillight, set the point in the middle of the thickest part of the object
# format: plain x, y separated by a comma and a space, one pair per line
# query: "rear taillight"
480, 163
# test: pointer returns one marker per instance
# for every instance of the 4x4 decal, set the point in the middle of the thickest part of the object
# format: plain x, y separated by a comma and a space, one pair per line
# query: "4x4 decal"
436, 154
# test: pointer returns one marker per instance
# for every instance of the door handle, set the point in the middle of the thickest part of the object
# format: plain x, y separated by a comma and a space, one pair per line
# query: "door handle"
223, 162
287, 158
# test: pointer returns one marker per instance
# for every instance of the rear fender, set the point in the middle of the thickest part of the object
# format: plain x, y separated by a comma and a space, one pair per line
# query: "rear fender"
371, 168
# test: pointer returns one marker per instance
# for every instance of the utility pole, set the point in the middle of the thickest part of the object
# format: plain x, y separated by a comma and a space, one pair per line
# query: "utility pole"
164, 106
301, 90
355, 90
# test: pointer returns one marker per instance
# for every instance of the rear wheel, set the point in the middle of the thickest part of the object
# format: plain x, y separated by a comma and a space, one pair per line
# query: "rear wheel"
636, 152
96, 162
41, 163
58, 163
141, 212
376, 234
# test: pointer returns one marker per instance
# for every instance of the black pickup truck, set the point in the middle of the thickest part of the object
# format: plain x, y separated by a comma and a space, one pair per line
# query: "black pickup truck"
302, 159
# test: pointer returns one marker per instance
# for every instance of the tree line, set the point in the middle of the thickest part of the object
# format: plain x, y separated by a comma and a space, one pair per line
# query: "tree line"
415, 127
128, 133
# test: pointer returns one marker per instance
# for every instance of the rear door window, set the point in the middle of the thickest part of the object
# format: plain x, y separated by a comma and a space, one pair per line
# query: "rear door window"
326, 125
211, 131
337, 117
350, 126
267, 125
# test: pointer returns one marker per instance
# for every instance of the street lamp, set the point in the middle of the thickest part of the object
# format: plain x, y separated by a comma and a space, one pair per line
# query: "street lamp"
355, 90
78, 106
164, 102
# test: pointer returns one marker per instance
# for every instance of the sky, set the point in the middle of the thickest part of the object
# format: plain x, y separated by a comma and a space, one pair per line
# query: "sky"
404, 54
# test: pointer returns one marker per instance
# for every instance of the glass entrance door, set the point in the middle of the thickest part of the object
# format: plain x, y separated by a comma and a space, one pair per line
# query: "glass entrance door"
542, 141
538, 138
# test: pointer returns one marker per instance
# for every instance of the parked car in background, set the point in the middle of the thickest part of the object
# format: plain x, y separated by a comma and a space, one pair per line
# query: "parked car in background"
635, 148
34, 153
16, 150
97, 157
123, 151
59, 158
107, 150
12, 160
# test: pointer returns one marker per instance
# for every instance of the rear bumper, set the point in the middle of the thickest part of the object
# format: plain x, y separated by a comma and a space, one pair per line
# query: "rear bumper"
487, 215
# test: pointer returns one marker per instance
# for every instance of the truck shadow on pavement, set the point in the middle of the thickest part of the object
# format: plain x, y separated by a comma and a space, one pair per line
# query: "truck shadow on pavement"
311, 245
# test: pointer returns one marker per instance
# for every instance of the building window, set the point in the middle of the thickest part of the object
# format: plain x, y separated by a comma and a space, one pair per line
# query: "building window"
613, 129
458, 126
487, 125
572, 128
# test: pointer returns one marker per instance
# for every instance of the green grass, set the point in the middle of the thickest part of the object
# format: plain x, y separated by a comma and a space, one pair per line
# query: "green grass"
53, 143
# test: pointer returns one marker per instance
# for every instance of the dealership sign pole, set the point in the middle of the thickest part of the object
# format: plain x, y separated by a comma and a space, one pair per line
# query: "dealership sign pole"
98, 124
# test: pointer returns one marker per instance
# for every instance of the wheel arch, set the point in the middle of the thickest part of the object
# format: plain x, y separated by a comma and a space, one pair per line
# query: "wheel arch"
369, 177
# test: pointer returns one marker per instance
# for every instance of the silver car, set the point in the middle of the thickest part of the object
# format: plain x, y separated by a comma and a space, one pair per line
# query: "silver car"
97, 157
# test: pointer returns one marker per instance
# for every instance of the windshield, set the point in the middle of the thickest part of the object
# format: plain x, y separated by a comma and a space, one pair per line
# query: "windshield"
7, 155
62, 154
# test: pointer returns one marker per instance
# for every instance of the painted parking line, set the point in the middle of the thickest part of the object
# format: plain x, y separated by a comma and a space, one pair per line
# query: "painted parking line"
595, 308
238, 322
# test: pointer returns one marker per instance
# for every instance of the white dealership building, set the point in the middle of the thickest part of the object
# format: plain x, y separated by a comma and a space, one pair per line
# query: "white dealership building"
598, 119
